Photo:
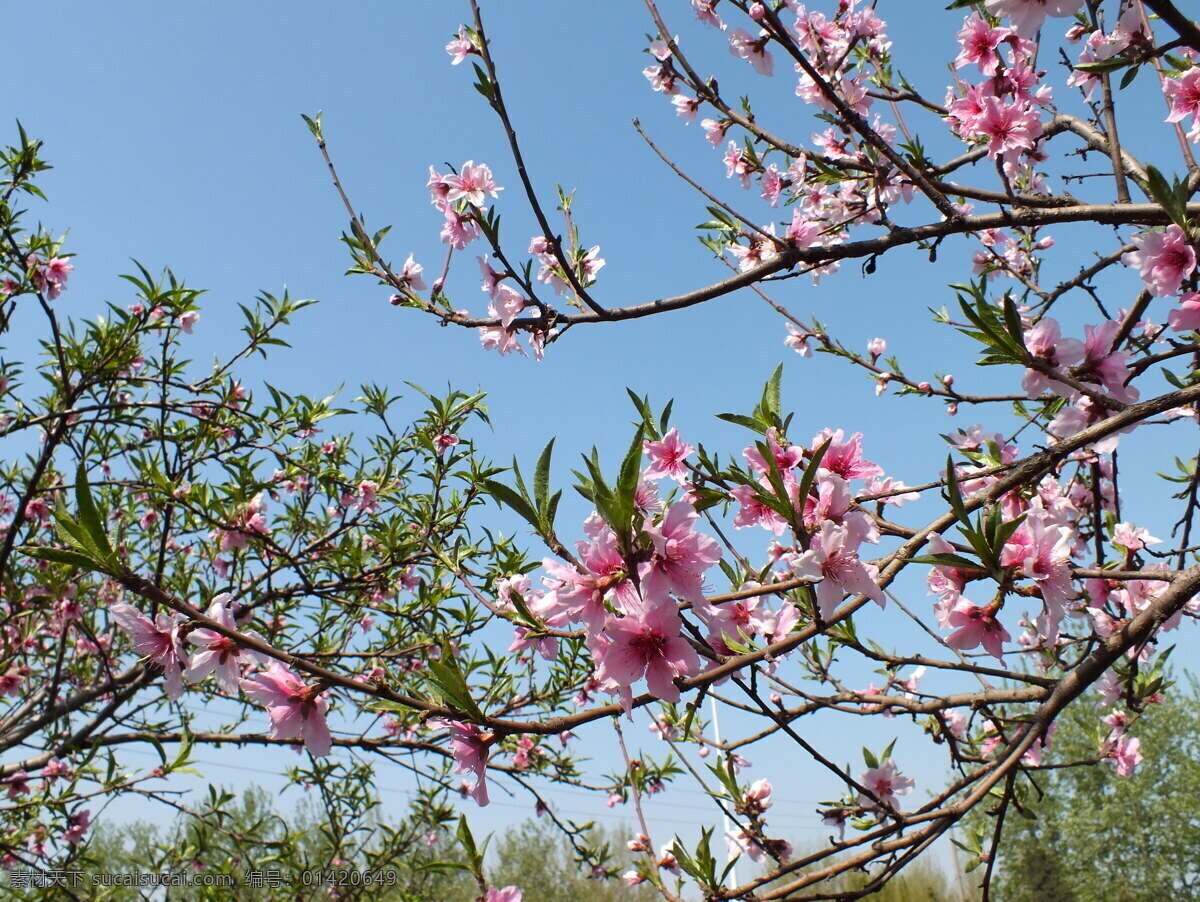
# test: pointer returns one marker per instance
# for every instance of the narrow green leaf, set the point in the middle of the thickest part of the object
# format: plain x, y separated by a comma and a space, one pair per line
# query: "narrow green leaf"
772, 404
946, 559
810, 474
541, 479
89, 516
741, 420
1012, 320
60, 556
954, 494
510, 498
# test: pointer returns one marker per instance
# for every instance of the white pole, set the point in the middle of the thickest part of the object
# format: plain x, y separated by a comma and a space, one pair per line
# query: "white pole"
724, 817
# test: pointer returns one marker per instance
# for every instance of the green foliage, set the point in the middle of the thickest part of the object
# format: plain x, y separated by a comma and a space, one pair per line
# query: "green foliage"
536, 857
920, 882
1172, 196
1097, 837
235, 838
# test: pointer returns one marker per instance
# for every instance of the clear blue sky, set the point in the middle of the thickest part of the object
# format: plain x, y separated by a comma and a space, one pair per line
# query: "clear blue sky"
177, 140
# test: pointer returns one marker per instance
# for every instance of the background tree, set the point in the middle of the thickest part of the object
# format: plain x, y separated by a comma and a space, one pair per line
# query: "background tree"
1094, 836
534, 856
271, 855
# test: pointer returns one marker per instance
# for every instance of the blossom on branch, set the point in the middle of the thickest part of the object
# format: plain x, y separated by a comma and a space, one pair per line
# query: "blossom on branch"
297, 710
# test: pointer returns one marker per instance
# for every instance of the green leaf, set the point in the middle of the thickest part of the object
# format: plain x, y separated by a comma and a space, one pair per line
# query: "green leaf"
665, 419
1012, 319
449, 680
387, 706
89, 516
685, 860
1007, 528
775, 478
771, 393
810, 474
722, 772
991, 331
71, 533
314, 125
60, 556
631, 469
541, 479
945, 559
468, 843
1101, 66
704, 858
510, 498
954, 494
991, 524
741, 420
1171, 197
597, 490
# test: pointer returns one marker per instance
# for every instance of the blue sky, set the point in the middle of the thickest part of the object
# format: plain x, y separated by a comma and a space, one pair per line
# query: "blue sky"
177, 140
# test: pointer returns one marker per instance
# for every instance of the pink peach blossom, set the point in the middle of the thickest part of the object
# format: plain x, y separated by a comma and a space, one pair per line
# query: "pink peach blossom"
77, 827
458, 229
797, 341
1027, 16
461, 46
979, 41
410, 275
742, 44
500, 339
297, 710
714, 131
507, 894
1164, 259
470, 746
737, 163
157, 639
1009, 127
885, 782
832, 558
977, 626
646, 641
679, 557
1185, 317
704, 12
473, 183
1125, 751
667, 457
1184, 94
844, 456
217, 653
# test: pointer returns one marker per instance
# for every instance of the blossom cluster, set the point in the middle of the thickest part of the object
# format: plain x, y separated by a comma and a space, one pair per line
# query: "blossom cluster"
297, 710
